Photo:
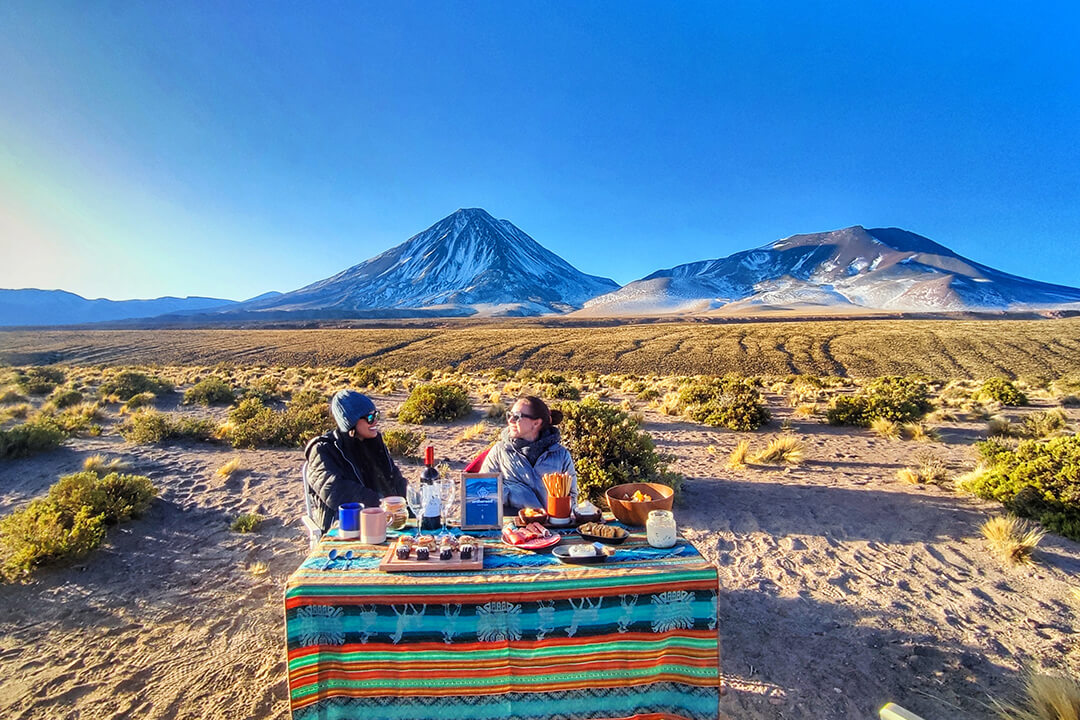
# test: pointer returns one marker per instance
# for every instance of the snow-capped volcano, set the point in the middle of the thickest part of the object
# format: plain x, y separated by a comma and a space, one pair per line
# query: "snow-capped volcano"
881, 269
466, 263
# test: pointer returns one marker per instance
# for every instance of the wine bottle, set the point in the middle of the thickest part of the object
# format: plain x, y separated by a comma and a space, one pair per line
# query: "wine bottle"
432, 513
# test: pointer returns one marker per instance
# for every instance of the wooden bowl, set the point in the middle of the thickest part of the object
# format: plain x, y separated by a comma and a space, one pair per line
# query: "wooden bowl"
629, 512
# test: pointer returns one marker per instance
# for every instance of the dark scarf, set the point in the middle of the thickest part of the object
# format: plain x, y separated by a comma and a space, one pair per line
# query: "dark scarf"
532, 451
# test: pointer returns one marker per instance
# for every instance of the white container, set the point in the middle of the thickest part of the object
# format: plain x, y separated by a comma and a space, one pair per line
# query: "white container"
660, 528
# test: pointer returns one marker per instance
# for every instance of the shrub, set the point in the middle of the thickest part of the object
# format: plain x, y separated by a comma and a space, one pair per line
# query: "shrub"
76, 420
886, 428
38, 380
10, 397
1038, 480
929, 468
62, 398
559, 391
784, 449
893, 398
246, 523
211, 391
143, 399
1011, 538
30, 438
722, 402
70, 520
364, 377
1044, 424
737, 458
128, 383
1002, 391
609, 448
403, 443
150, 426
444, 402
252, 424
265, 390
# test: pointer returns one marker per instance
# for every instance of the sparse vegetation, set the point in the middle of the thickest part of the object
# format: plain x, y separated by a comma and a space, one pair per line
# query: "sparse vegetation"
886, 428
98, 465
251, 424
1012, 539
38, 380
401, 442
728, 402
929, 468
1038, 480
246, 523
1003, 391
125, 384
41, 434
211, 391
1048, 698
230, 468
439, 402
609, 447
737, 458
71, 520
786, 450
893, 398
150, 426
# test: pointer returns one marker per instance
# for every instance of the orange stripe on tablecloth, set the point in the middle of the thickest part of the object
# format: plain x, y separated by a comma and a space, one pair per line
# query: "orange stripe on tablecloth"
466, 647
480, 599
589, 684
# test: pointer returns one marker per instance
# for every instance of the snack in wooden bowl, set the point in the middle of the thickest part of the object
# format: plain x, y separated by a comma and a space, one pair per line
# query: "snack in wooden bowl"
629, 511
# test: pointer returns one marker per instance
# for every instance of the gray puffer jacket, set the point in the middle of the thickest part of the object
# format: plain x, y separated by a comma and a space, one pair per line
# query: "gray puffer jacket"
523, 484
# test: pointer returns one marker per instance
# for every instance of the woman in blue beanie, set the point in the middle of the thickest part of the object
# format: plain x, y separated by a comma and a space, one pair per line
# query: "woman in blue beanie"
350, 463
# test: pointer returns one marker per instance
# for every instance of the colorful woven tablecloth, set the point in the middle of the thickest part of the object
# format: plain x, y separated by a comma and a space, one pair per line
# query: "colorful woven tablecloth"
525, 638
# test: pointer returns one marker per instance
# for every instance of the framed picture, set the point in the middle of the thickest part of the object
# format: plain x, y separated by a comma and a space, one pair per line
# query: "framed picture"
481, 501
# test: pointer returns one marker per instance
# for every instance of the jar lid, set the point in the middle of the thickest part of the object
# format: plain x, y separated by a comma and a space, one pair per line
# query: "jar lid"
661, 514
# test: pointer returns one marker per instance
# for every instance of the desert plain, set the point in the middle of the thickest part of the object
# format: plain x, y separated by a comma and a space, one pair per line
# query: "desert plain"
842, 587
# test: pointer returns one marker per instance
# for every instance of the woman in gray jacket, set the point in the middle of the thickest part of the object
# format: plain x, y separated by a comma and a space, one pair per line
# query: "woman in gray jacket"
528, 448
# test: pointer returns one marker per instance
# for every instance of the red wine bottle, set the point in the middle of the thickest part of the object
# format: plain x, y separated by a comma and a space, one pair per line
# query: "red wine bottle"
432, 512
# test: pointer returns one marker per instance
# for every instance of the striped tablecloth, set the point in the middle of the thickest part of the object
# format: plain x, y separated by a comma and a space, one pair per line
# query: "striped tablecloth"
527, 637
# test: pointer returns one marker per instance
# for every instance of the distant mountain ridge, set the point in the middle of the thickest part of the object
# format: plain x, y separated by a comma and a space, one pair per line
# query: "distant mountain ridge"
855, 268
468, 263
30, 306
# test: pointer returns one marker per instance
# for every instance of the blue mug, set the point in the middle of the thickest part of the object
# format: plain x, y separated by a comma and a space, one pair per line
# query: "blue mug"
349, 520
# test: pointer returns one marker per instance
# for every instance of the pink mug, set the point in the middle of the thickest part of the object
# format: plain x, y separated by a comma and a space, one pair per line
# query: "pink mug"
373, 525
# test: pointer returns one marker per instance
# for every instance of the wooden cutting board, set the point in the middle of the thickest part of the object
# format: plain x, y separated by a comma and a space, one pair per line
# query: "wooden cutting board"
391, 562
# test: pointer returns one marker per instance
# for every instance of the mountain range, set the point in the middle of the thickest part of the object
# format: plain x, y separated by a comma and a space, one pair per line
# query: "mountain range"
471, 264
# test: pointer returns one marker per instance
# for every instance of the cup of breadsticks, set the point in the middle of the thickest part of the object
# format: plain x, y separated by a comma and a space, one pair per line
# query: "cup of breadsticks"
558, 497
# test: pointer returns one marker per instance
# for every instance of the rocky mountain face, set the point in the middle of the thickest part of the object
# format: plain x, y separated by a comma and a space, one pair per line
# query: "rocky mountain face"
881, 268
30, 306
467, 263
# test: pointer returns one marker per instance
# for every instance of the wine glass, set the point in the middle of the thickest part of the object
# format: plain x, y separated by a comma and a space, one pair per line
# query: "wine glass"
414, 498
446, 497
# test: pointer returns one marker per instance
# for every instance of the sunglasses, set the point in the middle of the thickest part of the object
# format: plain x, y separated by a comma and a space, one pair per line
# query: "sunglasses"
515, 416
371, 417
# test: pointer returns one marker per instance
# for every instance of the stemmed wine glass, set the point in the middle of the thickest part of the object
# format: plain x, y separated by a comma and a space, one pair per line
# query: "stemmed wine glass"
414, 498
446, 498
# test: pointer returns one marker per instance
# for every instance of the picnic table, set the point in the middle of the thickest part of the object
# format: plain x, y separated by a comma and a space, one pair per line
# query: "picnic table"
526, 637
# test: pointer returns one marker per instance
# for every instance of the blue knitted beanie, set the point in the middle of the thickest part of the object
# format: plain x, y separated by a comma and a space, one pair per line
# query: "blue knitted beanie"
348, 406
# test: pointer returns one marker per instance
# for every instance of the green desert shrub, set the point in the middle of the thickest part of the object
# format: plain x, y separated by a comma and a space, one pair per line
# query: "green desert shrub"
252, 424
366, 377
728, 402
265, 389
1037, 479
210, 391
609, 448
899, 399
1002, 391
38, 380
559, 391
64, 397
70, 520
10, 396
81, 419
1044, 423
439, 402
128, 383
401, 442
143, 399
246, 523
38, 435
147, 427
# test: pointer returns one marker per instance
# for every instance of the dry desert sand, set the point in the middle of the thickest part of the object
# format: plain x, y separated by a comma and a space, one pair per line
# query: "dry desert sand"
841, 588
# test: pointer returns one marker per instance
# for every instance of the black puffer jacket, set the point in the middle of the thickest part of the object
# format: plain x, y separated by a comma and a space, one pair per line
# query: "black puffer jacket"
342, 468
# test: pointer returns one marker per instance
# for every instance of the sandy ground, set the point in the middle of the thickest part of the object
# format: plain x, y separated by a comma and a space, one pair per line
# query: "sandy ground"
841, 588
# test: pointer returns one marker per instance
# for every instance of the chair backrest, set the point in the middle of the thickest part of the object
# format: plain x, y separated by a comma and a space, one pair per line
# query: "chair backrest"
313, 530
477, 461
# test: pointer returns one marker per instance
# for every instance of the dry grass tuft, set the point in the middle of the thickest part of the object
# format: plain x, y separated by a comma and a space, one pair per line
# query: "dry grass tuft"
101, 467
478, 430
226, 470
886, 428
258, 569
928, 469
783, 449
1011, 538
1048, 698
737, 458
919, 432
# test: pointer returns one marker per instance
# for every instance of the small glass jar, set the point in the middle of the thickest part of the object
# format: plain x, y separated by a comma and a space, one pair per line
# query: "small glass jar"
399, 514
660, 528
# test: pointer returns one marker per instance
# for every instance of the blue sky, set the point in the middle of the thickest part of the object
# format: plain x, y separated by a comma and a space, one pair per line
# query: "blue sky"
228, 149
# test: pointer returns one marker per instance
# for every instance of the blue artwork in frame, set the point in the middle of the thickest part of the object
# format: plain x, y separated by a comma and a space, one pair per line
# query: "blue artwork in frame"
481, 501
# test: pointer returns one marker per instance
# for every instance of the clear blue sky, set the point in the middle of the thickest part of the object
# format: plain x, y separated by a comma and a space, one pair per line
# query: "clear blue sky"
228, 149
